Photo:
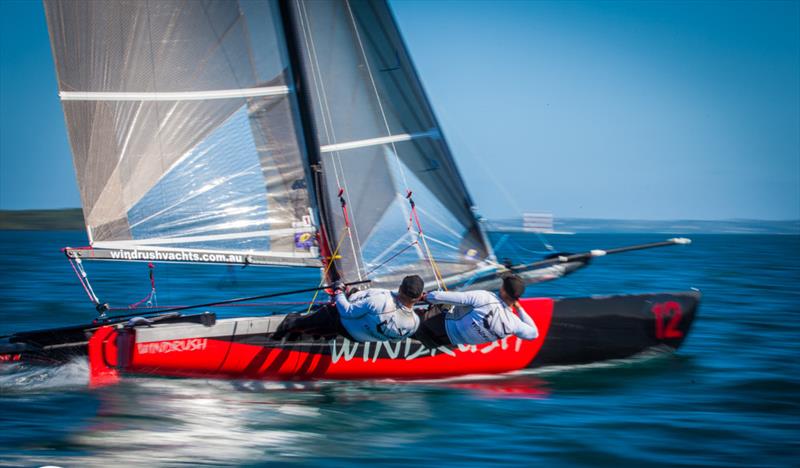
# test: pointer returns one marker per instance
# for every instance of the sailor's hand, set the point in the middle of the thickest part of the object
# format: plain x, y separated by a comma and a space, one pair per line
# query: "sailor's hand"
338, 286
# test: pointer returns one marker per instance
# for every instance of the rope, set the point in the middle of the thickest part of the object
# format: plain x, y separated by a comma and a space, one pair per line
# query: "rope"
256, 304
327, 268
161, 310
151, 297
344, 207
436, 273
349, 231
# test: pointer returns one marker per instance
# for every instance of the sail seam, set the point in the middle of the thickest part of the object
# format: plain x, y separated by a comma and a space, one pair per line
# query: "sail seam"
174, 96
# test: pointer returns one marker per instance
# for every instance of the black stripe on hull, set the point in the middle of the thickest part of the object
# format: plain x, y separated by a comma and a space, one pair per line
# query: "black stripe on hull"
586, 330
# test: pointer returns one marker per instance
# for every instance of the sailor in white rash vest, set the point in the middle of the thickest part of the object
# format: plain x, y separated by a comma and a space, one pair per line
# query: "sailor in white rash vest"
379, 314
478, 316
369, 315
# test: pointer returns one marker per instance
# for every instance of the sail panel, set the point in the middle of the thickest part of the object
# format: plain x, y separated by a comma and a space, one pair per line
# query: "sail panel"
164, 46
379, 138
183, 124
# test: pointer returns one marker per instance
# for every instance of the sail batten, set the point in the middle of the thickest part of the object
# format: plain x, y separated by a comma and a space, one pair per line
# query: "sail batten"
174, 96
377, 141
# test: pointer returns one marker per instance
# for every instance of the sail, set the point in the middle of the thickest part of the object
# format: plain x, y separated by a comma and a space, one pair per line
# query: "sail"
183, 128
378, 140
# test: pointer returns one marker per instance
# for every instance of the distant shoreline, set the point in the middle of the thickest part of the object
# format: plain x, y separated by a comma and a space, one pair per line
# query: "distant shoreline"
71, 219
68, 219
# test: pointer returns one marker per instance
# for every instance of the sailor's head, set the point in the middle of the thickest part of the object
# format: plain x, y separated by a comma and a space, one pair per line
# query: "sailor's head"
412, 288
513, 288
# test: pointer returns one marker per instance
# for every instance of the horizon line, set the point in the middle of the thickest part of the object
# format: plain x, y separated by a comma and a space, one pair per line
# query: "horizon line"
509, 218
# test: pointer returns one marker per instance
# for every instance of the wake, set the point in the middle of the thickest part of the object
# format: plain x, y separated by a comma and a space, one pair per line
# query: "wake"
25, 378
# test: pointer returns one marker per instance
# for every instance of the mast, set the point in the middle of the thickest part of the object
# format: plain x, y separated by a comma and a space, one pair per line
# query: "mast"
300, 82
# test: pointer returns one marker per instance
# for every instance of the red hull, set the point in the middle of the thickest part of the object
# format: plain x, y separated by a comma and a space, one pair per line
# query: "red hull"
571, 331
338, 359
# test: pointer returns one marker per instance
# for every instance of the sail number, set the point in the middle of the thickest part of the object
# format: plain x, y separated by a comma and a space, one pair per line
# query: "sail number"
667, 317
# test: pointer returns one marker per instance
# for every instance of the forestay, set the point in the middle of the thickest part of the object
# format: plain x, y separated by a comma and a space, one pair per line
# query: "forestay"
182, 124
379, 139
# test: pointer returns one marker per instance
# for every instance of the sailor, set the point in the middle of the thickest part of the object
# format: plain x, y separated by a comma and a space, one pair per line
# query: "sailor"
478, 316
370, 315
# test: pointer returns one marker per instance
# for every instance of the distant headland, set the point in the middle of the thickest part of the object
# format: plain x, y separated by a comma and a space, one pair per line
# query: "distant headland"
69, 219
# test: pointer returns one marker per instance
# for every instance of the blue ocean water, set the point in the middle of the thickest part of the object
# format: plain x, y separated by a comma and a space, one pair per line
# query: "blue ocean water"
729, 397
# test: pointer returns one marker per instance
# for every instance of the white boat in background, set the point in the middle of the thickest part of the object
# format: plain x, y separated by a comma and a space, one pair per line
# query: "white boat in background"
533, 223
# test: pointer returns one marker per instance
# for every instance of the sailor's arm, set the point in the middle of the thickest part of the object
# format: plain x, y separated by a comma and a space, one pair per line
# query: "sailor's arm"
345, 308
450, 297
526, 328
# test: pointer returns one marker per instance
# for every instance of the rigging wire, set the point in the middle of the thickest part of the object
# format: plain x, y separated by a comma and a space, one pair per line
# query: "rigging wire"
437, 274
327, 120
393, 257
77, 267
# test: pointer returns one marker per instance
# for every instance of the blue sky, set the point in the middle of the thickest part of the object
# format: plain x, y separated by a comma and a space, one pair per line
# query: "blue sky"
637, 110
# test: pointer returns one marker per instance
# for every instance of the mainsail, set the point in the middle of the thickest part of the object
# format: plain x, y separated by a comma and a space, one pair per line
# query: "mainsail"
381, 147
183, 129
215, 130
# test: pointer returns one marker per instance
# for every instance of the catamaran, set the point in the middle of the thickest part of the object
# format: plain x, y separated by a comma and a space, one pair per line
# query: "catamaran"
287, 133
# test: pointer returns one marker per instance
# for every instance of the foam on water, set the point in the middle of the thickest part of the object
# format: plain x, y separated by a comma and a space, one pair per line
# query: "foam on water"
24, 378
